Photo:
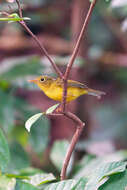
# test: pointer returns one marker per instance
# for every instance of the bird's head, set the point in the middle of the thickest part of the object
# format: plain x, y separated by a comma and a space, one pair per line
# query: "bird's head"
43, 82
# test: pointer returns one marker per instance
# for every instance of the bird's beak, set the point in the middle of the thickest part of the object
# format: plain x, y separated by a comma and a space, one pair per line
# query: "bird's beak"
34, 80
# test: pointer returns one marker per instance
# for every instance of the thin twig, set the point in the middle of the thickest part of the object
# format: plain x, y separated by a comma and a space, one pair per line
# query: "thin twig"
74, 140
65, 78
4, 13
19, 8
42, 48
74, 54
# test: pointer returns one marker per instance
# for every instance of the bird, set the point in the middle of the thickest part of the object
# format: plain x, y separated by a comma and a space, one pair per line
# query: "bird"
53, 88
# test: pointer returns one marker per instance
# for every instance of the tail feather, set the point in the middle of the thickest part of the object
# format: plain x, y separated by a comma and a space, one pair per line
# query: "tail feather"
96, 93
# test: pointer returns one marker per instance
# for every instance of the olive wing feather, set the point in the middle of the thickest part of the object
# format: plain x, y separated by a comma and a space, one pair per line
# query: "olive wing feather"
76, 84
72, 83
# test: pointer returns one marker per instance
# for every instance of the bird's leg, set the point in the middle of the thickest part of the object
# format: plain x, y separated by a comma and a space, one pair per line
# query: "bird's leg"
59, 108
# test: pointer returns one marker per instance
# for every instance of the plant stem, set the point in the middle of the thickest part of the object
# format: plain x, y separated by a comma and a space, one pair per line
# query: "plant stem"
19, 8
64, 77
74, 54
73, 142
42, 48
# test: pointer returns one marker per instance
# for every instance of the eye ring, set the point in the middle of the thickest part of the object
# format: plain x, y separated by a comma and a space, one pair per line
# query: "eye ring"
42, 80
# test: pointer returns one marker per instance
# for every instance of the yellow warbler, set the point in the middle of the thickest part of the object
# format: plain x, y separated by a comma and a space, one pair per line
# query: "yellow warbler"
53, 88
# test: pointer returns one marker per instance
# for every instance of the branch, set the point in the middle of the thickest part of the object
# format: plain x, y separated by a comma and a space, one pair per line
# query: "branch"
74, 140
65, 78
42, 48
74, 54
75, 51
69, 115
19, 8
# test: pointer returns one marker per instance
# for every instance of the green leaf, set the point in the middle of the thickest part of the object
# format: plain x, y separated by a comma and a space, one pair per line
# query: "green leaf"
17, 176
98, 176
20, 135
19, 68
63, 185
24, 186
41, 178
4, 151
35, 117
89, 166
7, 183
51, 109
14, 17
26, 18
6, 111
98, 170
82, 164
39, 135
30, 171
32, 120
19, 158
58, 153
80, 185
116, 182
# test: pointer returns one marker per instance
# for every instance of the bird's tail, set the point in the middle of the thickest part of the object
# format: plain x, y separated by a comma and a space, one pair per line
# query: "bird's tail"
96, 93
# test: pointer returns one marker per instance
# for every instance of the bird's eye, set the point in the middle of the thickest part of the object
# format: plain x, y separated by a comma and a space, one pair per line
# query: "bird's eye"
42, 79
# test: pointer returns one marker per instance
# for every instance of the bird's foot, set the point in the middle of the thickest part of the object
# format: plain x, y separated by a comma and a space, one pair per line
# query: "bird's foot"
59, 109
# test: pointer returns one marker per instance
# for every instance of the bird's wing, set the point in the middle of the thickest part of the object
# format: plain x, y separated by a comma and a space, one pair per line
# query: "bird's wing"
72, 83
59, 82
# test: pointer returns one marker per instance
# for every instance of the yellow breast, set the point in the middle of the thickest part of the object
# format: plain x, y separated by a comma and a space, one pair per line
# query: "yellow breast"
56, 92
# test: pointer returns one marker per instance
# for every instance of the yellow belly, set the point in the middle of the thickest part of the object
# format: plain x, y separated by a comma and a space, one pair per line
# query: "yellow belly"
57, 93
